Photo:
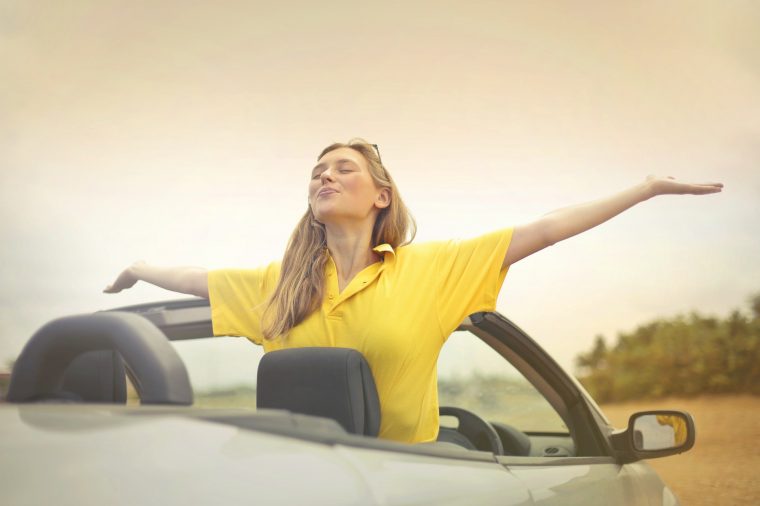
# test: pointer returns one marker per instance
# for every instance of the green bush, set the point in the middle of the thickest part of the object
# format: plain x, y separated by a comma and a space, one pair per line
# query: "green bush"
681, 356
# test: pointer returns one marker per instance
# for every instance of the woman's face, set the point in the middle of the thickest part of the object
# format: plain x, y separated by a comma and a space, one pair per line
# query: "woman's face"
342, 190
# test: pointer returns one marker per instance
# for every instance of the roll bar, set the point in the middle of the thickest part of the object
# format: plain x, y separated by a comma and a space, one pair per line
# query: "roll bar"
156, 370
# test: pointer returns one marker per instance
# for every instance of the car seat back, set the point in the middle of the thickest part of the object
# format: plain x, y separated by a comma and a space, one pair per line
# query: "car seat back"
334, 383
97, 376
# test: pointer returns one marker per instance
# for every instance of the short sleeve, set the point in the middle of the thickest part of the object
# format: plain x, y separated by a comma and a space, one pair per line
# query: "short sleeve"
470, 275
237, 298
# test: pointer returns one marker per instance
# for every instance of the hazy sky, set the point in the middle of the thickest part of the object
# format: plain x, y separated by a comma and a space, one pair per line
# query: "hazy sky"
184, 133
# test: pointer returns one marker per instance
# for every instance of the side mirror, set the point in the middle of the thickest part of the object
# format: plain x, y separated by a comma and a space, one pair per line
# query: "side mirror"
653, 434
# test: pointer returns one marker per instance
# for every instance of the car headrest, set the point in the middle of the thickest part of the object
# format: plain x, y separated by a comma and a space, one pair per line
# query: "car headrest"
95, 376
334, 383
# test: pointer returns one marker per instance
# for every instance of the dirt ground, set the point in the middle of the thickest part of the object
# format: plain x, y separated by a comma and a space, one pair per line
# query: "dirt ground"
723, 468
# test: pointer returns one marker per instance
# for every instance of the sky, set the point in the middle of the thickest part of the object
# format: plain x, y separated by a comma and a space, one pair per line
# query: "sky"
183, 133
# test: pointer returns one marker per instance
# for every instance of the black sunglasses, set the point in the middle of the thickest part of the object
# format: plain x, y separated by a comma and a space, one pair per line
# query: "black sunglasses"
378, 153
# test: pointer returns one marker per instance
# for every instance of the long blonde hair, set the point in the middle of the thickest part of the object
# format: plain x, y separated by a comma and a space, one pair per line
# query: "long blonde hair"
300, 288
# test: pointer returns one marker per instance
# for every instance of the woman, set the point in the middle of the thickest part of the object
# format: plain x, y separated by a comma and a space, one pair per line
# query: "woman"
350, 278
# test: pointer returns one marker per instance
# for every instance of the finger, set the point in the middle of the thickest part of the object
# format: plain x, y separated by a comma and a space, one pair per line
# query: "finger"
704, 189
694, 186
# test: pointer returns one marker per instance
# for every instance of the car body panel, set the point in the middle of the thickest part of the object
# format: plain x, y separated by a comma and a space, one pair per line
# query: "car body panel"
90, 454
118, 455
581, 484
411, 479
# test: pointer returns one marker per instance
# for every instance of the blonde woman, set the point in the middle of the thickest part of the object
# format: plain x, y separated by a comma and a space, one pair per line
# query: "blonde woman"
350, 277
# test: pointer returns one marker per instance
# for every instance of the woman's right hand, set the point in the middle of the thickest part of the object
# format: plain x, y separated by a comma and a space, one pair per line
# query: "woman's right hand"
126, 279
189, 280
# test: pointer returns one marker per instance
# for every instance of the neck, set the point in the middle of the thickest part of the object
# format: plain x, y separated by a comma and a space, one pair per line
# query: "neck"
351, 250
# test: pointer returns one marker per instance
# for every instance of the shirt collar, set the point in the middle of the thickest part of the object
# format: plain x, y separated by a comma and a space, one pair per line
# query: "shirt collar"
382, 249
386, 250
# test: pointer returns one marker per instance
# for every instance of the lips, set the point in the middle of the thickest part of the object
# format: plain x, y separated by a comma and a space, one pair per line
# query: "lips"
326, 191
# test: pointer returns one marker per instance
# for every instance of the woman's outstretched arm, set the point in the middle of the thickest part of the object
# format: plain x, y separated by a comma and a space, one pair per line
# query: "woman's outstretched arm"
189, 280
569, 221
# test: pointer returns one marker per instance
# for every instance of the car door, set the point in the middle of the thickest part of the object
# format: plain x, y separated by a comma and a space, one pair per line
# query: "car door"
578, 481
479, 371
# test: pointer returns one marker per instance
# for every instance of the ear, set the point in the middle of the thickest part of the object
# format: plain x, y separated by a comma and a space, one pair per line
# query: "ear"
383, 198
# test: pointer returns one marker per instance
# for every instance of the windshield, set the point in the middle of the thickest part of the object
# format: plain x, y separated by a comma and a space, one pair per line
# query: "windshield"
471, 375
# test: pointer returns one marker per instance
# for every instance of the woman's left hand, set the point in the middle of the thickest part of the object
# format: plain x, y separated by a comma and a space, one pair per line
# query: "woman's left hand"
669, 186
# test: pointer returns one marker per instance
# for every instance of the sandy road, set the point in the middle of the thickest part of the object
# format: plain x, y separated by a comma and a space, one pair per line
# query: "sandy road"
723, 468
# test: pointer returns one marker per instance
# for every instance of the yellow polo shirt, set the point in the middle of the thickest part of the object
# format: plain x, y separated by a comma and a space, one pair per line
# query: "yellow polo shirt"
397, 313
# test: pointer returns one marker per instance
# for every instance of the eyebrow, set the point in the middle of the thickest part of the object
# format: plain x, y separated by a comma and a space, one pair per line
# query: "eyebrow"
322, 166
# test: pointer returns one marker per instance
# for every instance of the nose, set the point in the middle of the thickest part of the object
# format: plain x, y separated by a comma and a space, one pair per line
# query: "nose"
326, 175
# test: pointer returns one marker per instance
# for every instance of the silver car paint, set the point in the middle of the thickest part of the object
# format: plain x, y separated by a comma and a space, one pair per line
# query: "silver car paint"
89, 454
66, 455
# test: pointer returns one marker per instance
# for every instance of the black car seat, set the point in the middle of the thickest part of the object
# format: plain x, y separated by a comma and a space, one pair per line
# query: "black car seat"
334, 383
96, 376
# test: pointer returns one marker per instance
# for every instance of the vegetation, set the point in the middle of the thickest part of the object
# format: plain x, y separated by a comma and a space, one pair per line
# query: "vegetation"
237, 397
681, 356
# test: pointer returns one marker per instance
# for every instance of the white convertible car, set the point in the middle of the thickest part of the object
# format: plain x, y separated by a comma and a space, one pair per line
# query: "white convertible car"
518, 431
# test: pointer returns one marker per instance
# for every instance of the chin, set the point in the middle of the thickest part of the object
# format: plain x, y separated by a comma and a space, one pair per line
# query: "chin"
325, 213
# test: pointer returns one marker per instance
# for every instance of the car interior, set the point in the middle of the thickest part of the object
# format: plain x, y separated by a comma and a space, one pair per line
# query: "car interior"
96, 372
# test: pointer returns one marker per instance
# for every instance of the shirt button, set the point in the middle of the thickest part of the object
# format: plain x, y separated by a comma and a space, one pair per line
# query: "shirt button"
331, 296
